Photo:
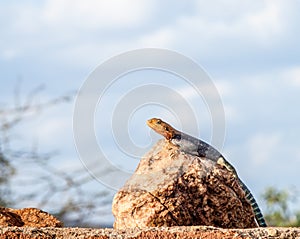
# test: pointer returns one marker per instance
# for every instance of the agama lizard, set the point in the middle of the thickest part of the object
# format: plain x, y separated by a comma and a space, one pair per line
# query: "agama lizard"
197, 147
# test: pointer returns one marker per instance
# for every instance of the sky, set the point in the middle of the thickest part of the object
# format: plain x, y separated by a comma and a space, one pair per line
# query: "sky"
249, 49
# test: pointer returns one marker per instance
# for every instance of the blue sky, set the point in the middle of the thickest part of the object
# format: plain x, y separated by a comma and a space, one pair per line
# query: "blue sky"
250, 49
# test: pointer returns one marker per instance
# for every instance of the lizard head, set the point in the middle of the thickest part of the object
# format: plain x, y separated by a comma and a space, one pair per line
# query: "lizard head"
161, 127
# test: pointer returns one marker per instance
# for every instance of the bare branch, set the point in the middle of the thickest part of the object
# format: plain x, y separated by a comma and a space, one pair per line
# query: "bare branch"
46, 185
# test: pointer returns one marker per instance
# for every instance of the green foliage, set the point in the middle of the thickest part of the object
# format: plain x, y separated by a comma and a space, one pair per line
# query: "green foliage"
278, 211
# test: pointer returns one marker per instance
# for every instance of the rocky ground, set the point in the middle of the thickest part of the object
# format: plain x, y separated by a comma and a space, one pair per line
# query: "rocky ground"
202, 232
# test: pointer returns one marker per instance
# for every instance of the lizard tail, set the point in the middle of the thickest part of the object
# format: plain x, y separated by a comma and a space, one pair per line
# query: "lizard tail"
258, 214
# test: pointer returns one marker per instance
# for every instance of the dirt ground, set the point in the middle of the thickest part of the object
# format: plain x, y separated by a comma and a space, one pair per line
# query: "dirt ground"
203, 232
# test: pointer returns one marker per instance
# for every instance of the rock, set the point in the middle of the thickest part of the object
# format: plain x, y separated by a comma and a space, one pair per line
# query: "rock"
171, 188
193, 232
27, 217
8, 218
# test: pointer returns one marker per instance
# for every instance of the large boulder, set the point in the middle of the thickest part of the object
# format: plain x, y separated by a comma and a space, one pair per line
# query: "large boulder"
172, 188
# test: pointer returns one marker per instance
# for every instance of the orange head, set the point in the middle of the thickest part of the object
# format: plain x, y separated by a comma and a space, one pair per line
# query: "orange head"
161, 127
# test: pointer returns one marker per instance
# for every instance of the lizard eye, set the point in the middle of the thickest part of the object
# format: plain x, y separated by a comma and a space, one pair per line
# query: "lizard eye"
159, 121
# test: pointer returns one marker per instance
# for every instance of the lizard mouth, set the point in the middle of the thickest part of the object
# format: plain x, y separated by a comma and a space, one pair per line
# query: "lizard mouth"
149, 122
152, 124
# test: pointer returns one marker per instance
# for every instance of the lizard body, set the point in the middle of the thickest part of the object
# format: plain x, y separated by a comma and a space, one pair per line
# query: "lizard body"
197, 147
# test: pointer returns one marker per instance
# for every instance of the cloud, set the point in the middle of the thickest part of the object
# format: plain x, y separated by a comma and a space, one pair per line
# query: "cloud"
251, 36
160, 38
9, 54
96, 14
61, 29
292, 76
78, 15
267, 22
262, 147
83, 34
